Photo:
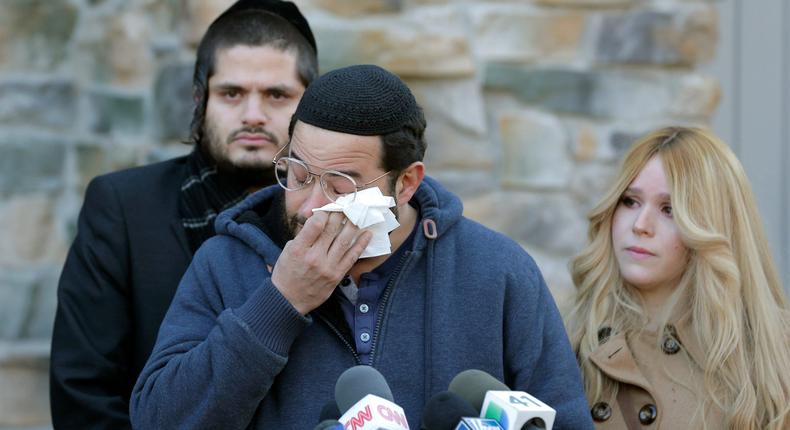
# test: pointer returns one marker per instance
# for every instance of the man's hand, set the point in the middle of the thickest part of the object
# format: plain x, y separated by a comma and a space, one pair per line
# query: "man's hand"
313, 263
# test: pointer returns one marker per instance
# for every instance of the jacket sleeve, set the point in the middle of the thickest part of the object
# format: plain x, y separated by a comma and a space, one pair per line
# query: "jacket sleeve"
212, 366
542, 362
89, 370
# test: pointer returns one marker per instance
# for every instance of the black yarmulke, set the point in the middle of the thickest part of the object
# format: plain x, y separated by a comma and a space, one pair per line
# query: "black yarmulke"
364, 100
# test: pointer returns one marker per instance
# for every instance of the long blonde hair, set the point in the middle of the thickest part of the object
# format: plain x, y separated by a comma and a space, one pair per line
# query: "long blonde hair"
735, 299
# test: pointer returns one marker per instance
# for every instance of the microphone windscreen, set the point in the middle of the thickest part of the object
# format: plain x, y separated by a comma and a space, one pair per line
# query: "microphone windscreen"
444, 410
472, 385
356, 383
330, 411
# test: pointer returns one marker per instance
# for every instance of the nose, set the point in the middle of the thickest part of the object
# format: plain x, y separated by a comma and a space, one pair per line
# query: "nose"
254, 112
643, 224
315, 198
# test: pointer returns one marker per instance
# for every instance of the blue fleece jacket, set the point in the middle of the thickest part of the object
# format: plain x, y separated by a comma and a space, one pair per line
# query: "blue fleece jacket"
232, 353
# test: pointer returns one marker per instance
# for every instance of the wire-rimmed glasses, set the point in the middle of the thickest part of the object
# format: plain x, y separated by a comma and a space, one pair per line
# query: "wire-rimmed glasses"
293, 175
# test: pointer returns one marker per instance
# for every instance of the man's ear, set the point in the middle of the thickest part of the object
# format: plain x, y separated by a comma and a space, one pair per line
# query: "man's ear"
408, 182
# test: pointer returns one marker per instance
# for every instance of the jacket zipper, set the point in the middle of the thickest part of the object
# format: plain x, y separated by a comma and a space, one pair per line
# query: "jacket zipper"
383, 305
343, 339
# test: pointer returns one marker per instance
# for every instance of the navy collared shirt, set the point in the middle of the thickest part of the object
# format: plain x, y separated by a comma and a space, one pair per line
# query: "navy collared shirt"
360, 303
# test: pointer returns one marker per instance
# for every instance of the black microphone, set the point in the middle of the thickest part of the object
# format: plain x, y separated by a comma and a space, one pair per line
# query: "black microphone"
356, 383
365, 399
513, 410
444, 410
330, 411
472, 385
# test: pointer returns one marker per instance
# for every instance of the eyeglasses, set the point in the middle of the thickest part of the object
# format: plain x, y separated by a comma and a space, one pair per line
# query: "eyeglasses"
293, 175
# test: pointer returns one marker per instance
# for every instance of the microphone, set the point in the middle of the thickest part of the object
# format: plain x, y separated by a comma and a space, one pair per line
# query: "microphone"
518, 410
330, 411
357, 382
363, 395
444, 411
472, 385
514, 410
329, 425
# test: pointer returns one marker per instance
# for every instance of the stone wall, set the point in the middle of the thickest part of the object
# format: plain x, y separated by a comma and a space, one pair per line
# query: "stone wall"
530, 104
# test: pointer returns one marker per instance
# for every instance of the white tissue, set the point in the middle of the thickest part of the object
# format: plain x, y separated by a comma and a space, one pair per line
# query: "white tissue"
369, 211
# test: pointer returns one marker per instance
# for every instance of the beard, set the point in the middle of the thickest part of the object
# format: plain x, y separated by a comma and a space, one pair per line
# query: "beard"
251, 173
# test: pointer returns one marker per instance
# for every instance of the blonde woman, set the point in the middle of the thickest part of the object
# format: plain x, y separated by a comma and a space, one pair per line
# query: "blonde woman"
680, 320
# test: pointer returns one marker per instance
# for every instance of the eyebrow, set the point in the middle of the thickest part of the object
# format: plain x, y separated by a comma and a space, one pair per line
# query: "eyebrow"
226, 86
353, 174
636, 190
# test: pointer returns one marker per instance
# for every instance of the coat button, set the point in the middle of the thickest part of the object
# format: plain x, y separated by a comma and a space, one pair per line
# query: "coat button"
670, 345
603, 334
648, 414
601, 411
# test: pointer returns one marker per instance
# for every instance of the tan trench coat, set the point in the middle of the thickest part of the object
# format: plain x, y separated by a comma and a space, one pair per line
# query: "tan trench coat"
661, 387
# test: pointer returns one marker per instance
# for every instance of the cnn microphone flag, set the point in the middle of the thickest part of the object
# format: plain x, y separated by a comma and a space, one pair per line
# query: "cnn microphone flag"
373, 412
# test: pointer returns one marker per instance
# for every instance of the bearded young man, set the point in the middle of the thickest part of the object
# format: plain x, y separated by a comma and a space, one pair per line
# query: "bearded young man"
139, 228
278, 304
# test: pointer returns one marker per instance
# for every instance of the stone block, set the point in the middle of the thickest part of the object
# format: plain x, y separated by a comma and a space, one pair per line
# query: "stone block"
465, 183
651, 95
557, 89
116, 112
173, 104
116, 44
411, 45
604, 140
587, 3
196, 16
352, 8
590, 181
456, 131
534, 150
555, 272
31, 163
127, 49
696, 97
16, 301
29, 300
450, 147
524, 33
94, 159
30, 231
680, 36
621, 94
24, 378
38, 103
551, 223
35, 34
458, 101
40, 318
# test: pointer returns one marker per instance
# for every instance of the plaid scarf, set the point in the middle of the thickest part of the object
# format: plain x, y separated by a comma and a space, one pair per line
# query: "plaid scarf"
204, 194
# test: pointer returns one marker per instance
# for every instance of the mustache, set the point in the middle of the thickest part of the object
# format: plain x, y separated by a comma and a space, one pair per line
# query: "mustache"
253, 130
293, 222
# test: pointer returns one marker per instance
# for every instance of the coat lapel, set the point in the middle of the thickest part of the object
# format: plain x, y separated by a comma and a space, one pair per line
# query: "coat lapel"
614, 358
181, 237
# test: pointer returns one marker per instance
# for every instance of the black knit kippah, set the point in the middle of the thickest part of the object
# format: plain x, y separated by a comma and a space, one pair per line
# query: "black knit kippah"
364, 100
284, 9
